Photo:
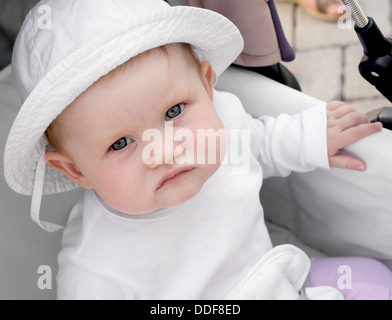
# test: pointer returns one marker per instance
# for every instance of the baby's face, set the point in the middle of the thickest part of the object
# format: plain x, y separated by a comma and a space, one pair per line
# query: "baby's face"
121, 133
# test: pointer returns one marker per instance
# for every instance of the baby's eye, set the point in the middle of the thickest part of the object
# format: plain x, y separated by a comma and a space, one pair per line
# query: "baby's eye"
174, 111
120, 144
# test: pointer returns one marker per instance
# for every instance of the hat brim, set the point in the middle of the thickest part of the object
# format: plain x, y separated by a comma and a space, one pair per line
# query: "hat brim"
213, 37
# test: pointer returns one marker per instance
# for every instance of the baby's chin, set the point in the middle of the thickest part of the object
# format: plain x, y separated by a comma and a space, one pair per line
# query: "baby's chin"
176, 200
132, 210
170, 196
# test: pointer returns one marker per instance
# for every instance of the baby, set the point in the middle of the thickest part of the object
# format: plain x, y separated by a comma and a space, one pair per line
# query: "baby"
119, 99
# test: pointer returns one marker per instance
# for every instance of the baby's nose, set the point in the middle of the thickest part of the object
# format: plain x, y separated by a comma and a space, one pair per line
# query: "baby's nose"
166, 151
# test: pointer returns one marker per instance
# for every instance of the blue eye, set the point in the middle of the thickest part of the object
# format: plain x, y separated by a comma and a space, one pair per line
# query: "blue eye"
120, 144
174, 112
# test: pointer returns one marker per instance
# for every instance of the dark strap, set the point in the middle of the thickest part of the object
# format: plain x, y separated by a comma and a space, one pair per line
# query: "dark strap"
286, 51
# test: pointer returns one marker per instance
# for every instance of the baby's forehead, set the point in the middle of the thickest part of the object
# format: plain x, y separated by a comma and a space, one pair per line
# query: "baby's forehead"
159, 52
172, 53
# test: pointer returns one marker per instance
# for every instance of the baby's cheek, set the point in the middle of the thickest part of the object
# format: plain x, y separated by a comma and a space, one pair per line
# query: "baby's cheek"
207, 120
113, 184
126, 198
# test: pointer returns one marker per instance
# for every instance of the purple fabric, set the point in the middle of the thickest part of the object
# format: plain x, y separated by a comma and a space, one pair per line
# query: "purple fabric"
356, 278
286, 50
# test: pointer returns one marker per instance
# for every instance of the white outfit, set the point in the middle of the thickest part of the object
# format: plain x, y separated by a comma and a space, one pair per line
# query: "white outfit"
209, 247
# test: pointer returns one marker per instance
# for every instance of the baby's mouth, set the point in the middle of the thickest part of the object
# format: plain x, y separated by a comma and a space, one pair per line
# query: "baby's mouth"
173, 176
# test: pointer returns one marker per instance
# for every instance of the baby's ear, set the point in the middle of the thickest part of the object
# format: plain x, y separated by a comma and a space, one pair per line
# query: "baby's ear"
207, 77
62, 163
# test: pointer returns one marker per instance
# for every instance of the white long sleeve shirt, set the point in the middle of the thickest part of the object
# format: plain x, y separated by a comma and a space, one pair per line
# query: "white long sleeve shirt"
205, 247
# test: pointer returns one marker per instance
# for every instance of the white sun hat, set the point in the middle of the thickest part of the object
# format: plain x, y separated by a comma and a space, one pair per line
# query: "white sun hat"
64, 46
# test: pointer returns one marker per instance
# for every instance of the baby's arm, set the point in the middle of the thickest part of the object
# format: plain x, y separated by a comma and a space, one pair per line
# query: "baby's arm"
344, 127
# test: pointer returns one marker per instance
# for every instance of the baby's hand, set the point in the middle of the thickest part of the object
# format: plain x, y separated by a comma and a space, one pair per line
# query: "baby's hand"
344, 127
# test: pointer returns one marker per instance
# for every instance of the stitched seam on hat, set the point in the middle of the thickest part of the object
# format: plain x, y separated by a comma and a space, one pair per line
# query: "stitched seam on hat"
31, 27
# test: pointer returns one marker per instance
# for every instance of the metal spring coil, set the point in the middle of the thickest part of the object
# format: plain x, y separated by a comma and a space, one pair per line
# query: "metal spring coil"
361, 20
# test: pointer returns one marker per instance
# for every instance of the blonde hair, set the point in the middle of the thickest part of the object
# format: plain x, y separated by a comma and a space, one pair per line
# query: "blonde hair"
56, 134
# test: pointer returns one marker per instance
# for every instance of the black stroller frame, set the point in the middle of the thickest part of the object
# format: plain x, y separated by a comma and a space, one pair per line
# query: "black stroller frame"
376, 64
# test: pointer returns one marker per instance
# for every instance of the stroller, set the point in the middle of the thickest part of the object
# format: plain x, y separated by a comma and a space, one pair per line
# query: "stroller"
326, 212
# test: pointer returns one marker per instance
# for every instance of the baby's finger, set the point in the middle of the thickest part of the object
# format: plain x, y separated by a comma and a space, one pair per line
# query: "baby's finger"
346, 162
354, 134
340, 111
333, 105
352, 119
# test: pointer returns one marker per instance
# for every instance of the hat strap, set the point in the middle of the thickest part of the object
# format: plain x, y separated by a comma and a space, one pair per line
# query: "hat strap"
37, 197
